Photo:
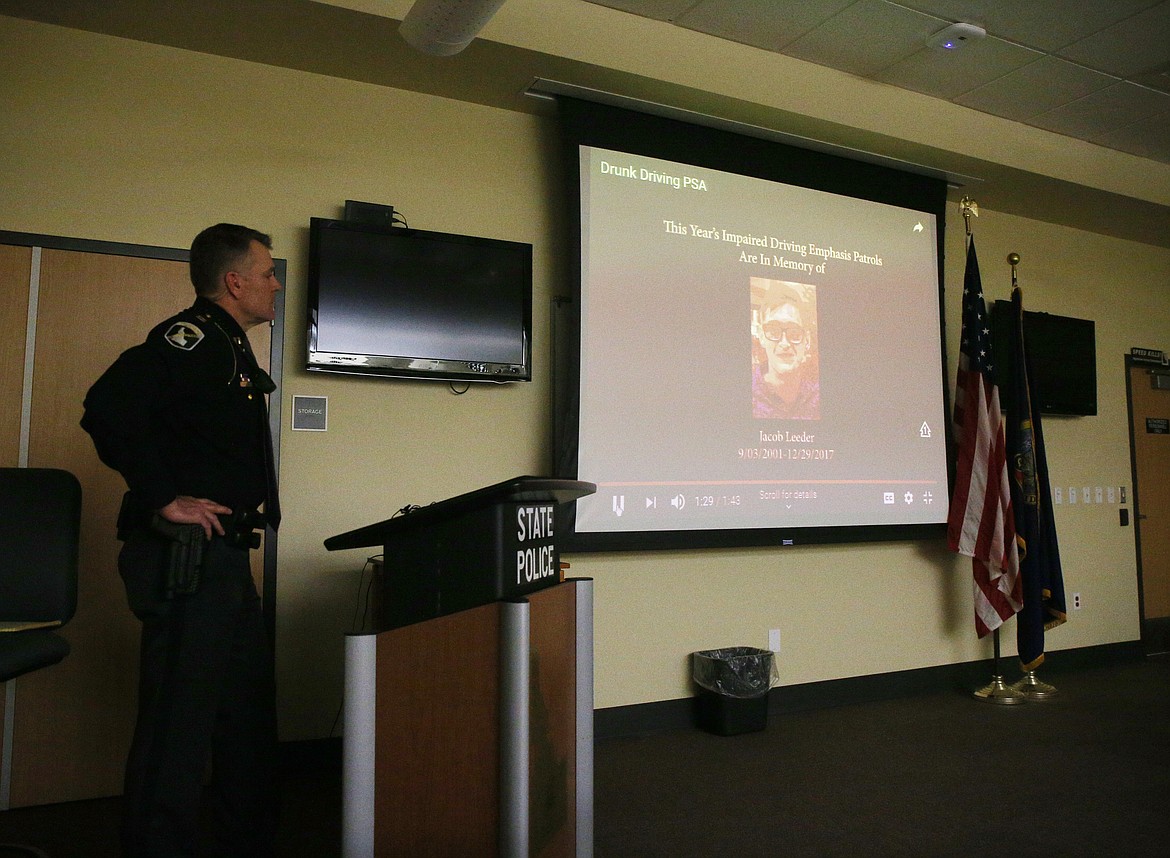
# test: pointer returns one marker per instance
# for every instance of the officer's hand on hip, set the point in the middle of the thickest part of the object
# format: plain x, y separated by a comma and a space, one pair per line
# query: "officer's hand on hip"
185, 509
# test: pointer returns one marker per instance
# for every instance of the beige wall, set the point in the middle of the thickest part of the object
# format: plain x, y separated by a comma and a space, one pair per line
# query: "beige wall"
110, 139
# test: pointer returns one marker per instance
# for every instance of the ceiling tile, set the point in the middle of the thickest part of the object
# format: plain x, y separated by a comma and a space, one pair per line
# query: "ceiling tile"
1104, 111
1096, 70
661, 10
866, 37
1135, 45
1044, 24
1158, 78
762, 24
1146, 138
1035, 88
949, 74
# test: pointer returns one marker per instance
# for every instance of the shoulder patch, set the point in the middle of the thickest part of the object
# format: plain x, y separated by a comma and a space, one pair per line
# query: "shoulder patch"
183, 335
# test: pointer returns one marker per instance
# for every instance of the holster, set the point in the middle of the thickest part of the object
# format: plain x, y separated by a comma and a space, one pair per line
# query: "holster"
184, 561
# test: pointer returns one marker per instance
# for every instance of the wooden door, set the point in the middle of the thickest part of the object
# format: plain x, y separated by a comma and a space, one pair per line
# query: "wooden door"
73, 722
15, 267
1150, 422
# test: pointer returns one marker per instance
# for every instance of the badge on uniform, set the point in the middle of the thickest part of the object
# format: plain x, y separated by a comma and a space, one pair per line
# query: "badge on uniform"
184, 335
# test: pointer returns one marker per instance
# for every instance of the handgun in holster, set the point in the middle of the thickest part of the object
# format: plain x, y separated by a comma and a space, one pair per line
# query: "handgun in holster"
184, 561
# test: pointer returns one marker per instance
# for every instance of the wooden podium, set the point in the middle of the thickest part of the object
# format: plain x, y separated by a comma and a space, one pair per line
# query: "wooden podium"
469, 712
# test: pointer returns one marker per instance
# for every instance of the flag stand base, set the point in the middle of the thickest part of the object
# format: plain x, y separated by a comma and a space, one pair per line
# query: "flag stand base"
1032, 688
999, 693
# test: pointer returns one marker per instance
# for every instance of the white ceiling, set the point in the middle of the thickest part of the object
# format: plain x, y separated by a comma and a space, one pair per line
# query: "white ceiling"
1095, 70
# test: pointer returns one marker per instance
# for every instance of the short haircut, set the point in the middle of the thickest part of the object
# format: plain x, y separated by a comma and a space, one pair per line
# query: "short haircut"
215, 250
779, 294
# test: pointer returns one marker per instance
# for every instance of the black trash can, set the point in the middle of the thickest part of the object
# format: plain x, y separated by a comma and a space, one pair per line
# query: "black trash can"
732, 689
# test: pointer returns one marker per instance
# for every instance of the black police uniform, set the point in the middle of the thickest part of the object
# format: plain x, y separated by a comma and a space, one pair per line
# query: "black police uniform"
182, 414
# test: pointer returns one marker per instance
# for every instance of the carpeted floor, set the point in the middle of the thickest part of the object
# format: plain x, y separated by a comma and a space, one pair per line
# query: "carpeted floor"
1084, 774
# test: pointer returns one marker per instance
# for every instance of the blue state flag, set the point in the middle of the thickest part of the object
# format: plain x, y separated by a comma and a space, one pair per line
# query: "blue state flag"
1040, 571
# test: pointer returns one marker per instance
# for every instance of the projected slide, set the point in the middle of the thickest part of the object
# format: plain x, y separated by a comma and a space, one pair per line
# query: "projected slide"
754, 354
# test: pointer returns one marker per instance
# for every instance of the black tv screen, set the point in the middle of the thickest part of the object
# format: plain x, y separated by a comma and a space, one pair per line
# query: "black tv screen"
755, 350
409, 303
1062, 358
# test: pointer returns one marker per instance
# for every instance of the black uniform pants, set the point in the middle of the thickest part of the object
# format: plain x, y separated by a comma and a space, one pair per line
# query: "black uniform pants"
206, 692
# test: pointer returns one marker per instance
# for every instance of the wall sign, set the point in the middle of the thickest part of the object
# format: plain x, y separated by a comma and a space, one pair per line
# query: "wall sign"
310, 413
1148, 355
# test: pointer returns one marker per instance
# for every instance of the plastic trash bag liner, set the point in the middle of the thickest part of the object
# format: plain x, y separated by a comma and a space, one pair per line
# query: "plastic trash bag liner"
738, 671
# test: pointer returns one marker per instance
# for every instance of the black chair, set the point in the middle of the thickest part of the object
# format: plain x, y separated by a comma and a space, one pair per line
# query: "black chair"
40, 525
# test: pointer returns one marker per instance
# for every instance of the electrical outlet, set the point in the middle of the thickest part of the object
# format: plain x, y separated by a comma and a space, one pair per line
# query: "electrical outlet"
1076, 601
774, 640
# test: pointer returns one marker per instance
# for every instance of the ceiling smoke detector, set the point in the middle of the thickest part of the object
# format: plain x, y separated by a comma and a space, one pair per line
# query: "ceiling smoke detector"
955, 37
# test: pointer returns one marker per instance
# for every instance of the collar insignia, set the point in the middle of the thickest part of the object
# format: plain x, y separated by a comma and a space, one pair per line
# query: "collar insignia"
184, 335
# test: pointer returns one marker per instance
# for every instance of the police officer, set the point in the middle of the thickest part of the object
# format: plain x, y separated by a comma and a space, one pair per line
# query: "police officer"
182, 417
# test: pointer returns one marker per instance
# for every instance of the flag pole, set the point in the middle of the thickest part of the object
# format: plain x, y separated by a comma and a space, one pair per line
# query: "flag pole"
996, 691
1029, 686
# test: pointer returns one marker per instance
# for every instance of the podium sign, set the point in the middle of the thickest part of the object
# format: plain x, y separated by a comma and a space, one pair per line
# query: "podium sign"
496, 543
537, 558
503, 551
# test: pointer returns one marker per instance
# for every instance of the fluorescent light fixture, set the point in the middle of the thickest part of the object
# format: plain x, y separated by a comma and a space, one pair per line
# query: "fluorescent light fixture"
955, 37
445, 27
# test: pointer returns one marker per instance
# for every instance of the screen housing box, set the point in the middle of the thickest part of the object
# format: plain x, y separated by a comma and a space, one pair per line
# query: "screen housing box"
409, 303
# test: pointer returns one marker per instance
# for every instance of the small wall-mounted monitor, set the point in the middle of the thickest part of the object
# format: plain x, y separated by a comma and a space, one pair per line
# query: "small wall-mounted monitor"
1062, 353
408, 303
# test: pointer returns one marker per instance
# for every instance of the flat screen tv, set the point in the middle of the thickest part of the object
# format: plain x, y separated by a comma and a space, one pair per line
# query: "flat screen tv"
752, 352
1062, 358
409, 303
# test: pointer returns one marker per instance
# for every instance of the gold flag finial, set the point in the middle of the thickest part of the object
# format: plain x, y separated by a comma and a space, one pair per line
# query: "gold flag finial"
1013, 260
970, 209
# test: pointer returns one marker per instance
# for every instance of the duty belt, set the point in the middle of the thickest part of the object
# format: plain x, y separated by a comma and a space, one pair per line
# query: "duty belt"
240, 528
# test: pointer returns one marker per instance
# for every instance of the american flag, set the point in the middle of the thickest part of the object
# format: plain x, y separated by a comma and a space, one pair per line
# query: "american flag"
980, 523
